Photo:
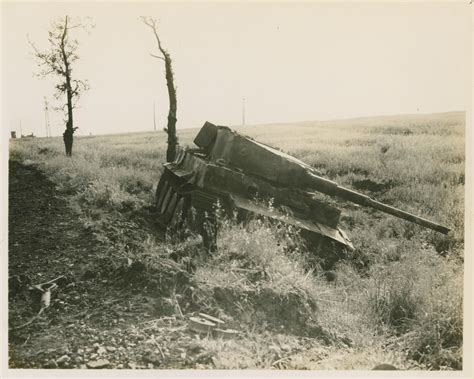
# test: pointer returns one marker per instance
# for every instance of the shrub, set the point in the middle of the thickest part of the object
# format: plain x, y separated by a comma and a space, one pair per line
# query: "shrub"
393, 298
436, 333
420, 299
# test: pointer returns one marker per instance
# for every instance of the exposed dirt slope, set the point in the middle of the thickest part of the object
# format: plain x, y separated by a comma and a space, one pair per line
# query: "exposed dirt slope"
91, 323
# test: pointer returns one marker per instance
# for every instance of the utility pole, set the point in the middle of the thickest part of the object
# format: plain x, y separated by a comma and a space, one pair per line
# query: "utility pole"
243, 111
46, 118
154, 118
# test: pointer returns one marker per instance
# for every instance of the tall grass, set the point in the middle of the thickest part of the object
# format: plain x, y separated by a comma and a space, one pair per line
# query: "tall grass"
399, 291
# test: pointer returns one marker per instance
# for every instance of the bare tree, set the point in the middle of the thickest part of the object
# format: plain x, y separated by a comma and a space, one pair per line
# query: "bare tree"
171, 128
58, 61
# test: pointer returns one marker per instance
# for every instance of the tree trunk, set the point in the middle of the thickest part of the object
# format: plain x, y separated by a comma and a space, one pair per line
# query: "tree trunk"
69, 132
68, 140
171, 129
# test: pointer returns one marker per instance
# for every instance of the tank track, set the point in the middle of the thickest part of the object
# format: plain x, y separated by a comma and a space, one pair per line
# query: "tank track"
182, 209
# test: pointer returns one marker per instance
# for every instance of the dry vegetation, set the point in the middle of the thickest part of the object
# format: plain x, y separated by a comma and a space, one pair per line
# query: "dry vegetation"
396, 299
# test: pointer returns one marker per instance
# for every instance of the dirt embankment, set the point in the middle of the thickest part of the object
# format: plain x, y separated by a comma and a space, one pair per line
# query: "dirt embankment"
91, 322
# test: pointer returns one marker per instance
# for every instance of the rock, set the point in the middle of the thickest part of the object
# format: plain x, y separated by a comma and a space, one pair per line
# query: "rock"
78, 360
384, 366
120, 366
61, 360
151, 357
204, 358
132, 365
83, 367
51, 364
101, 350
94, 355
96, 345
101, 363
80, 351
111, 348
150, 365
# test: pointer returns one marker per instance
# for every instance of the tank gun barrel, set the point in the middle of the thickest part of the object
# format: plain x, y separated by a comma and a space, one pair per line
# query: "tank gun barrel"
333, 189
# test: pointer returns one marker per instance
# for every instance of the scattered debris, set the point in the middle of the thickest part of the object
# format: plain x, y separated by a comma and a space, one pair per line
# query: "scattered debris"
201, 325
41, 298
208, 324
211, 318
100, 363
225, 333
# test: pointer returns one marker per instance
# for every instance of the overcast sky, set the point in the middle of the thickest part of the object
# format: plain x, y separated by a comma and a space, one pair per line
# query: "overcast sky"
291, 62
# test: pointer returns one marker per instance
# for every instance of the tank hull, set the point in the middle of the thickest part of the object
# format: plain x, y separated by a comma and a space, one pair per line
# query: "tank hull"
192, 186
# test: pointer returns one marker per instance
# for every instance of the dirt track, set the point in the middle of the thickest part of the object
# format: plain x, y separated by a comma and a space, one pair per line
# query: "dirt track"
46, 238
87, 314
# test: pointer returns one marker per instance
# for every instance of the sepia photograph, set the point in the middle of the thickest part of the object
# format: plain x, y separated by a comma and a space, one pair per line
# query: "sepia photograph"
238, 186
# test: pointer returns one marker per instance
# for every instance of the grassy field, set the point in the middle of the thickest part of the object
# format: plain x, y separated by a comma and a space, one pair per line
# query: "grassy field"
396, 299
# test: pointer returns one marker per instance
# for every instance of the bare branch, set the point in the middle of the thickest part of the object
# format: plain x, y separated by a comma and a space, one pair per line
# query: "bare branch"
156, 56
152, 24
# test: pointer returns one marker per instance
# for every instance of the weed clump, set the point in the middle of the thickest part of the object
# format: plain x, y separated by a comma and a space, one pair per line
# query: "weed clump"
419, 298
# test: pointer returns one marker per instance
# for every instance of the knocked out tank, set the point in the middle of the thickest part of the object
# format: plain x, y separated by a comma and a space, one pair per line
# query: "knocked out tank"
235, 171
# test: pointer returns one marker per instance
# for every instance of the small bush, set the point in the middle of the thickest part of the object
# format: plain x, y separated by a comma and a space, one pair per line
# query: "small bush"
393, 298
420, 299
102, 194
436, 333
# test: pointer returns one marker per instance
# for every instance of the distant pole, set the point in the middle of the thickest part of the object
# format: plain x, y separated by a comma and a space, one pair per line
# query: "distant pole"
154, 118
243, 111
46, 118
